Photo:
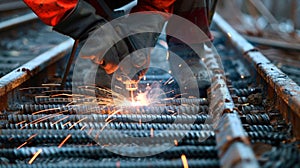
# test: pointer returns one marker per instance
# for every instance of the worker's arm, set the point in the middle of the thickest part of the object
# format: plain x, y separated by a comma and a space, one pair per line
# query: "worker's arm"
81, 21
78, 19
74, 18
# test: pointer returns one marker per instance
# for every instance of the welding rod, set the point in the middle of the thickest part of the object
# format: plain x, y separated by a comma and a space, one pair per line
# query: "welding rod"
70, 61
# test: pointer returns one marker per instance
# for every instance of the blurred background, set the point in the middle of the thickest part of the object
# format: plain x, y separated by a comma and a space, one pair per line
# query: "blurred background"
272, 26
258, 15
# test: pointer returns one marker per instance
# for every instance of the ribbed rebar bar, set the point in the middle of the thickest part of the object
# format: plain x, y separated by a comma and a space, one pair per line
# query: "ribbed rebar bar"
240, 84
205, 163
97, 109
182, 119
245, 91
275, 137
191, 101
256, 119
248, 109
104, 136
60, 100
117, 126
240, 100
64, 100
263, 128
103, 152
286, 155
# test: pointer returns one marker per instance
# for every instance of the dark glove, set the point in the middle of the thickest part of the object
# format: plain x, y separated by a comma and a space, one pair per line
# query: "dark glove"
105, 48
103, 43
142, 30
80, 24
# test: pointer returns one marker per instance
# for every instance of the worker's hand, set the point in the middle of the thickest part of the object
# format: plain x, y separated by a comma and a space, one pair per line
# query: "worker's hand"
134, 66
105, 48
105, 43
112, 46
100, 49
141, 30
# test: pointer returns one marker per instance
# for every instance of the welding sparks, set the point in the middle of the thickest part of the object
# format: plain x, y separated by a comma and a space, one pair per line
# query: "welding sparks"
83, 127
69, 122
171, 82
141, 100
149, 97
77, 122
229, 35
151, 133
90, 131
23, 144
35, 156
64, 141
111, 115
106, 124
40, 120
60, 120
184, 161
168, 55
46, 117
19, 123
32, 136
118, 164
167, 82
101, 130
46, 110
175, 142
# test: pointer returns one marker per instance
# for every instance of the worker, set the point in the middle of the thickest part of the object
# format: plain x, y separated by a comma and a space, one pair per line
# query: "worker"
78, 18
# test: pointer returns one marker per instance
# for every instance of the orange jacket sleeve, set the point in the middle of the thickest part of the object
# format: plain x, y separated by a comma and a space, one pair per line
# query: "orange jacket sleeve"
51, 11
155, 5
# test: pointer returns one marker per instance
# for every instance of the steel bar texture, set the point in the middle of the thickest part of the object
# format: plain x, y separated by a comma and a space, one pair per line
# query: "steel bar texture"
98, 109
17, 21
287, 90
24, 72
182, 119
123, 163
101, 152
49, 126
